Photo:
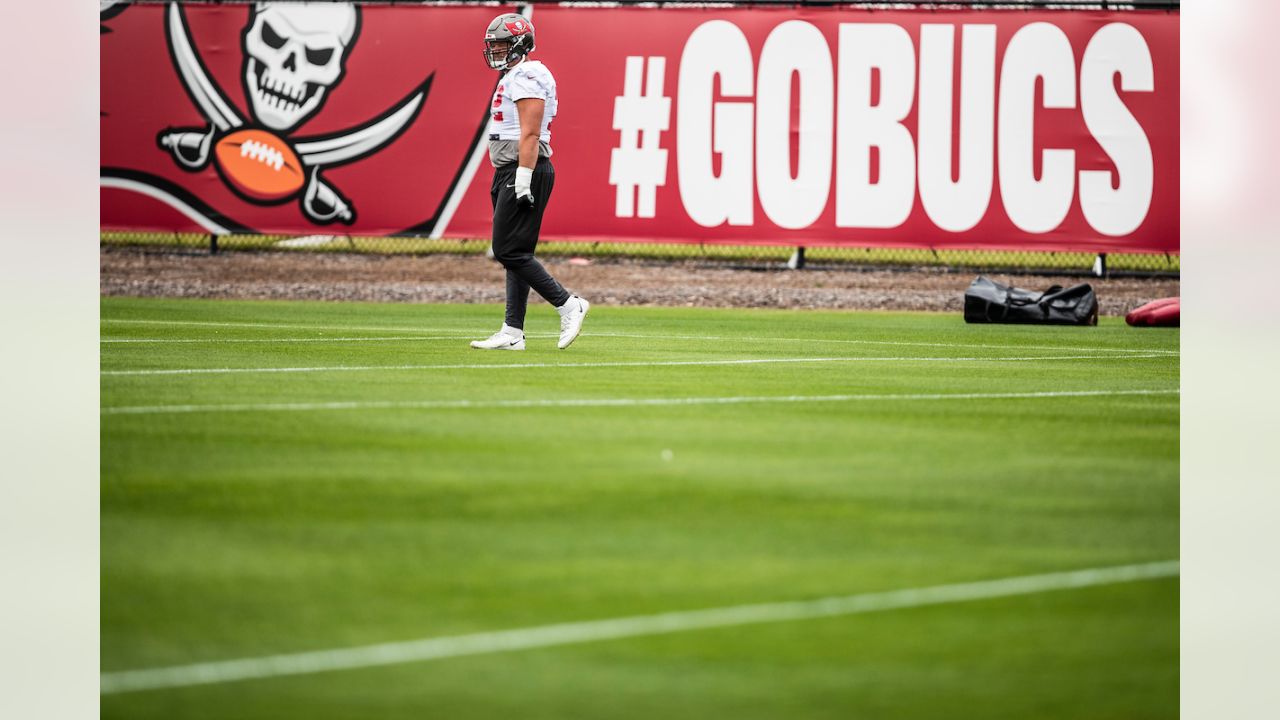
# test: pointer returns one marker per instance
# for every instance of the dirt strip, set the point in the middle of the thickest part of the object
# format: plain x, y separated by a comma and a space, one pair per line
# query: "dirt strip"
475, 279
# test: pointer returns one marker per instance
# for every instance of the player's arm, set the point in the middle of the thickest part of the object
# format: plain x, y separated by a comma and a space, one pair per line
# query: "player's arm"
530, 111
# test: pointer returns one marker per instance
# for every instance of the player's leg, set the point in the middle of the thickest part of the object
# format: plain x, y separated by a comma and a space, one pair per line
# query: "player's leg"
515, 239
515, 233
511, 335
517, 300
573, 311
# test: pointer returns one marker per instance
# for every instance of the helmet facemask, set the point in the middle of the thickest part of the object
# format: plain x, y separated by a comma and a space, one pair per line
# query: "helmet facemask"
497, 53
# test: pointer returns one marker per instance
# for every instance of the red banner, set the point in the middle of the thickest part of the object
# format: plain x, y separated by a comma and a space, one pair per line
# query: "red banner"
1052, 130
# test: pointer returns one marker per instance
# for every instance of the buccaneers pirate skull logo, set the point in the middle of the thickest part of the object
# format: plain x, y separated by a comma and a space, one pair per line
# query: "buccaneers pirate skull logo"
294, 56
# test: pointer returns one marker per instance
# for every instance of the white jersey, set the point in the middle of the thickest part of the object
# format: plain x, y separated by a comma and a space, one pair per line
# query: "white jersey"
529, 79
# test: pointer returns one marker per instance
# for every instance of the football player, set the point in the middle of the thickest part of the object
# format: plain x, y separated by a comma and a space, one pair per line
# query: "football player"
520, 149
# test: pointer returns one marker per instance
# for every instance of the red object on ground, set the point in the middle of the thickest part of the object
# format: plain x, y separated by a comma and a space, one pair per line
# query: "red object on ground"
1158, 313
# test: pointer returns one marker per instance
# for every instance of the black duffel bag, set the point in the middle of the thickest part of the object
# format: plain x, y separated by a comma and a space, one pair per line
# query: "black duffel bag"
990, 302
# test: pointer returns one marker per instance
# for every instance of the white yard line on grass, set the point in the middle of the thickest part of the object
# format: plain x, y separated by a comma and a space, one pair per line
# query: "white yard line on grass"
635, 363
605, 402
283, 326
880, 342
735, 338
573, 633
219, 341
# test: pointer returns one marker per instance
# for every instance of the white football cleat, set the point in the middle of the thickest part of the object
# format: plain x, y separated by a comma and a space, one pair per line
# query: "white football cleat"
572, 313
508, 338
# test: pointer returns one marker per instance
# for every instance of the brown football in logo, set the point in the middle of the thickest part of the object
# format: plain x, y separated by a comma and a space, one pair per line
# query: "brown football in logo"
260, 165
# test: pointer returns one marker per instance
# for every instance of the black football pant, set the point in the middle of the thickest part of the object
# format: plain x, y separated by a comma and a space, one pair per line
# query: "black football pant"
515, 237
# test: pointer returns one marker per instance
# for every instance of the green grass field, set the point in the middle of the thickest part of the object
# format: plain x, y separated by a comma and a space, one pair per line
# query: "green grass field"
396, 485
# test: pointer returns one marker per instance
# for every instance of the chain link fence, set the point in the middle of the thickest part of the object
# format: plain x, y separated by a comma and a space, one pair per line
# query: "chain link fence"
754, 256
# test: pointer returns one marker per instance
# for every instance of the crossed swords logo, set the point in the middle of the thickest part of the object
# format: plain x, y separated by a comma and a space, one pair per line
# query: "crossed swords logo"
320, 201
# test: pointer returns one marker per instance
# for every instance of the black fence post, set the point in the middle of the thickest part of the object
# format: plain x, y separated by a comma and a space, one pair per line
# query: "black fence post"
213, 243
796, 262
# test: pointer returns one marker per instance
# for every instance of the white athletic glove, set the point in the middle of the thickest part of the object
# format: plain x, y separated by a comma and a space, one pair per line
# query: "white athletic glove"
524, 178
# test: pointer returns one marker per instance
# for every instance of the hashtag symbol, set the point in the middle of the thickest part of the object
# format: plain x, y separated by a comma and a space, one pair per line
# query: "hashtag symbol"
638, 166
